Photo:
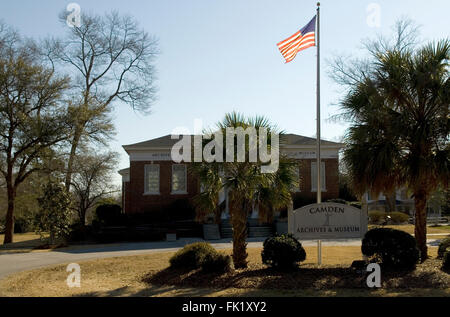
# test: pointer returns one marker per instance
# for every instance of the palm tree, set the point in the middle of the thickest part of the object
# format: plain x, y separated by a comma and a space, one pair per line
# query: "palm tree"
246, 185
400, 131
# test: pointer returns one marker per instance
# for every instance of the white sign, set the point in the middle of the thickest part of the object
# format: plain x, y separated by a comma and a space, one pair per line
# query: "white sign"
150, 156
324, 154
327, 221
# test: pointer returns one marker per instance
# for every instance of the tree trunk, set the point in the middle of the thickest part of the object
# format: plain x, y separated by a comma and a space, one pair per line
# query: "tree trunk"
239, 225
218, 212
51, 238
82, 216
390, 201
420, 228
73, 150
9, 225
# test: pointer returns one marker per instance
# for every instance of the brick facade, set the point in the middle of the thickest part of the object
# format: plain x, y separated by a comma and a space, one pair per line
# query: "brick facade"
136, 201
331, 179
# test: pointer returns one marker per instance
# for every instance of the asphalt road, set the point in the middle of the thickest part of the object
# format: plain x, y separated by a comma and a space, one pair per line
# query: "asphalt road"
16, 262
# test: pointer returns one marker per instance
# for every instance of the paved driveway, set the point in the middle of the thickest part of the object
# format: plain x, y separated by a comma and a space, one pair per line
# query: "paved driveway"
16, 262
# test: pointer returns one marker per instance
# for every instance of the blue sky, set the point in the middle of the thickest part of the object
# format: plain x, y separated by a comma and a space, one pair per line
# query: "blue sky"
221, 55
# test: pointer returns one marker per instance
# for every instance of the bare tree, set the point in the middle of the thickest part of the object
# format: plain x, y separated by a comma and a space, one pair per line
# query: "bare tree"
92, 180
348, 71
31, 116
110, 59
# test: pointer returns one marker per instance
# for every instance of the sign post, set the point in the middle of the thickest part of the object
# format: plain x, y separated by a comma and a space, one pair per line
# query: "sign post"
319, 252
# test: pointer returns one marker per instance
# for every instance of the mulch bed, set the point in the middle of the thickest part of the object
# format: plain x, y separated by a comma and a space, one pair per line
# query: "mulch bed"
426, 275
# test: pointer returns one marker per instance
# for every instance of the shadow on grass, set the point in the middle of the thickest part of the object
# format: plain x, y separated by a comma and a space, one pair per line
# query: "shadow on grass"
260, 278
21, 246
259, 281
325, 279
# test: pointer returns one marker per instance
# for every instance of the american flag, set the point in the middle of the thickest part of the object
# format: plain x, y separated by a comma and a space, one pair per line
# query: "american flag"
299, 41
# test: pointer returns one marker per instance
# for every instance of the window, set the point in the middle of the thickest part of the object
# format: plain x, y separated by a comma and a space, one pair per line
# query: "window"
151, 179
296, 186
178, 178
314, 176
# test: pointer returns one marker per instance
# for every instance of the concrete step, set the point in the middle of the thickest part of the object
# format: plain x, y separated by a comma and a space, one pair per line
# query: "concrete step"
251, 222
226, 231
259, 232
254, 222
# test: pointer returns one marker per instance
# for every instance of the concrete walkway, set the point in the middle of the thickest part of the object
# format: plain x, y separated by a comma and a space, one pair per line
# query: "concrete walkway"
16, 262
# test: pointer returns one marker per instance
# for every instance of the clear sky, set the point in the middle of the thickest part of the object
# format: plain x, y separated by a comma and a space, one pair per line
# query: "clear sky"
221, 55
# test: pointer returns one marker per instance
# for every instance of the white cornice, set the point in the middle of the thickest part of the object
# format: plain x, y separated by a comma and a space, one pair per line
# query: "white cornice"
293, 147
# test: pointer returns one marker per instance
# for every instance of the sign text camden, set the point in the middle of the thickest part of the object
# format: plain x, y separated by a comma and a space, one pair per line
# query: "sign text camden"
328, 221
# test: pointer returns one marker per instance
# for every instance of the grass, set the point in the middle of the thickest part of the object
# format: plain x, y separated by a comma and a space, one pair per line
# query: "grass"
22, 242
126, 276
28, 242
445, 230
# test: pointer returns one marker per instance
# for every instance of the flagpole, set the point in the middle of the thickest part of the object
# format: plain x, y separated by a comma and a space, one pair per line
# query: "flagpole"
319, 187
318, 165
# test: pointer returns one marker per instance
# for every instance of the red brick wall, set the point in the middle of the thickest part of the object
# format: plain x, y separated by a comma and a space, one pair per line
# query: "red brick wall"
136, 201
331, 179
125, 200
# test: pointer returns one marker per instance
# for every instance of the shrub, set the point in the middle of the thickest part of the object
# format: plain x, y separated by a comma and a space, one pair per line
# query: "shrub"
54, 212
443, 246
23, 224
398, 217
355, 204
216, 262
192, 255
337, 200
376, 216
282, 251
180, 209
79, 232
299, 200
396, 249
446, 261
109, 214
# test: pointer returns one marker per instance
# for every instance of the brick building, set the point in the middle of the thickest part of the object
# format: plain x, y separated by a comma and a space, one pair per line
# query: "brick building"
153, 181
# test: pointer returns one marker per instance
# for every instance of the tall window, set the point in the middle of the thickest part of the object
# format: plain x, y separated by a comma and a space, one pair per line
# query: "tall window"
314, 176
178, 178
151, 179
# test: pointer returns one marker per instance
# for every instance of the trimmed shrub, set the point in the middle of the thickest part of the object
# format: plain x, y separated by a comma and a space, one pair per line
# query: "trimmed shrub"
180, 209
109, 214
79, 232
446, 261
192, 255
376, 216
216, 262
282, 252
394, 248
337, 200
299, 200
398, 217
443, 246
355, 204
